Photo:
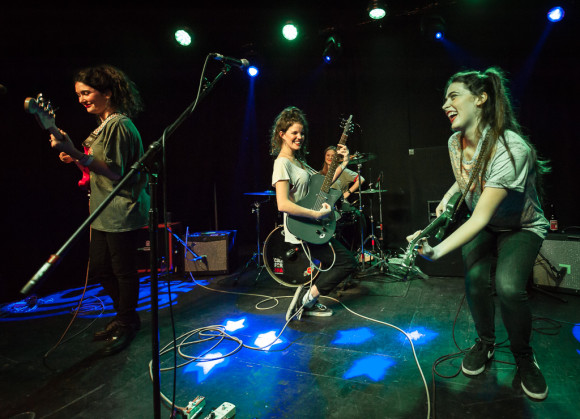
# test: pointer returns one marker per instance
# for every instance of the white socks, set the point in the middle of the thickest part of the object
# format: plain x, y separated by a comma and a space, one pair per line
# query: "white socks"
308, 300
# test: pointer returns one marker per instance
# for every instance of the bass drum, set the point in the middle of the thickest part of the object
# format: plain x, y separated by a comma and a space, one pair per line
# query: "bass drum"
286, 262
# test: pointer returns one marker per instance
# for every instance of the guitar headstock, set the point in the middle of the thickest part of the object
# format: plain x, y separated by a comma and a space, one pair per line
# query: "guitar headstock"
347, 125
43, 112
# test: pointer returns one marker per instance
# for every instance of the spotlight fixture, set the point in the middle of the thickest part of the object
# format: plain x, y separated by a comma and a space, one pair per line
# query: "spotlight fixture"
433, 27
290, 31
253, 71
183, 37
556, 14
377, 9
332, 49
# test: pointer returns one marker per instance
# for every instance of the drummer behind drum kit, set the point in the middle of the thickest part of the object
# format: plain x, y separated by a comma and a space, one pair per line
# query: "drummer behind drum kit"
289, 265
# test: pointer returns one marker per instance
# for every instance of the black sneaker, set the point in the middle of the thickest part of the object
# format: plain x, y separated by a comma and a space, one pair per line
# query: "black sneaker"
121, 338
532, 379
478, 356
295, 308
108, 331
318, 310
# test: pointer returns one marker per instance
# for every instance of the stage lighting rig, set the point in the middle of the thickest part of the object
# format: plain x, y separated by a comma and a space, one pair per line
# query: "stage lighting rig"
332, 49
433, 27
377, 9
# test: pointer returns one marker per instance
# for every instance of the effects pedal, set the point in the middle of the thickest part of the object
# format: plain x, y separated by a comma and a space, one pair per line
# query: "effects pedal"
225, 411
195, 407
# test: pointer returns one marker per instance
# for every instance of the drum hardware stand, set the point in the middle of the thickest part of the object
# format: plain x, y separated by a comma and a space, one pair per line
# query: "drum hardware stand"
376, 243
360, 208
382, 259
257, 256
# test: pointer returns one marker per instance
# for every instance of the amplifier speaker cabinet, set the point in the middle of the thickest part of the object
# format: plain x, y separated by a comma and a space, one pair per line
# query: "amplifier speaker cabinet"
171, 263
557, 267
213, 252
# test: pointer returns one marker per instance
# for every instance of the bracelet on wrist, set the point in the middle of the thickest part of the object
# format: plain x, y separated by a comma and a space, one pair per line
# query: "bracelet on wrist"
86, 160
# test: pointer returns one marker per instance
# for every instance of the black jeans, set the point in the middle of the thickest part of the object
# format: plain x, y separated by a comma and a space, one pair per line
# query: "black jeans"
113, 264
513, 255
344, 265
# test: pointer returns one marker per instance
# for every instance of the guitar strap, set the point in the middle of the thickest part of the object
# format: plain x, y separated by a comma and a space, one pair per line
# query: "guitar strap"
91, 140
475, 172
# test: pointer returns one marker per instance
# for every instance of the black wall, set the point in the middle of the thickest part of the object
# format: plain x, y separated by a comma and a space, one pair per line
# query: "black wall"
389, 77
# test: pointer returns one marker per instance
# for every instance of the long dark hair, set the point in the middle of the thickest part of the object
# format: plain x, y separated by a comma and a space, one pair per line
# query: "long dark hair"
285, 119
125, 97
324, 169
497, 113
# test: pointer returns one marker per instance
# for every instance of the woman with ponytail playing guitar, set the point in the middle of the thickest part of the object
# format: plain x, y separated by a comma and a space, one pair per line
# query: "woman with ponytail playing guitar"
498, 173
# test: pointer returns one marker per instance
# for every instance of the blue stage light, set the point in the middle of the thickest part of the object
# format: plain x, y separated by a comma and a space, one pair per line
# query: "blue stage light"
438, 35
375, 367
353, 336
252, 71
556, 14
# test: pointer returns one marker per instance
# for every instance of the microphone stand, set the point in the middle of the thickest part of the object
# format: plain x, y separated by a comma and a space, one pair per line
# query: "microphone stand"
148, 163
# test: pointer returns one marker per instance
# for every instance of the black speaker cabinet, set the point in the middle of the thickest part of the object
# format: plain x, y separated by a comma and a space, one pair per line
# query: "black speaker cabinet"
213, 252
171, 262
557, 267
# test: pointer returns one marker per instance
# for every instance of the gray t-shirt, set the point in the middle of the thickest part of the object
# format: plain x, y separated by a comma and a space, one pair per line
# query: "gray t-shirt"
521, 208
345, 179
119, 145
298, 176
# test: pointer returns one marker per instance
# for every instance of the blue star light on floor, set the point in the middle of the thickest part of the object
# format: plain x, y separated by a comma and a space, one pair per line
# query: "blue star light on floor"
353, 336
233, 325
375, 367
210, 362
267, 340
419, 336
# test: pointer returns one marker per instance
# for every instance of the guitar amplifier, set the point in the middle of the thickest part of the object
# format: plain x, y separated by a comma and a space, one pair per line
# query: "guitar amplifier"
557, 266
210, 252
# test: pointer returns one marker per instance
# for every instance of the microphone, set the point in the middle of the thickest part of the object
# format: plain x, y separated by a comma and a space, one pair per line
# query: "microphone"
242, 64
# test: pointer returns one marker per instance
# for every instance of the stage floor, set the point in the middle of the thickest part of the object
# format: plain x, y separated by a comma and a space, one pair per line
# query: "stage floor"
354, 364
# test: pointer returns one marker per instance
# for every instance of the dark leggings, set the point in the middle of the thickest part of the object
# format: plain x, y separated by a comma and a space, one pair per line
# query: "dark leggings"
113, 264
344, 265
512, 256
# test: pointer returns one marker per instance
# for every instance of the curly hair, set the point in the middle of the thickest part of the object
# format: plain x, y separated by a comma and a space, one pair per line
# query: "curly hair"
124, 94
285, 119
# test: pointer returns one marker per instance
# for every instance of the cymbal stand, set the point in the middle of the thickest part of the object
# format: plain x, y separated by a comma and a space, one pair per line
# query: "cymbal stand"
382, 260
360, 209
257, 256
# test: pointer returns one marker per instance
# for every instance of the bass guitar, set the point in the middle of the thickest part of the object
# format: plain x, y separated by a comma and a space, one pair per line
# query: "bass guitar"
437, 228
319, 192
44, 114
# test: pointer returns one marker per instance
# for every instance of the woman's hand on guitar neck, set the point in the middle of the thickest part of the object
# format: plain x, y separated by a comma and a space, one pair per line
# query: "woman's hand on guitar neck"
323, 212
422, 246
65, 145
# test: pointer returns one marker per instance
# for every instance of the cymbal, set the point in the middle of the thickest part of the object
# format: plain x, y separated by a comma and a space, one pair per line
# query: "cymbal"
264, 193
372, 191
359, 158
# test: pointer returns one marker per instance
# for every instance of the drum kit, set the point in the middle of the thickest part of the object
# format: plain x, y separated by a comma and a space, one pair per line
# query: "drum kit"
288, 265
